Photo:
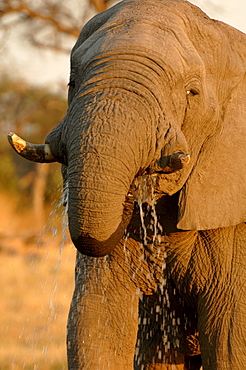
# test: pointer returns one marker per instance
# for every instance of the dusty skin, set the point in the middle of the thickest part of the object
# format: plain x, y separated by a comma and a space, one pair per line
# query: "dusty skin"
158, 283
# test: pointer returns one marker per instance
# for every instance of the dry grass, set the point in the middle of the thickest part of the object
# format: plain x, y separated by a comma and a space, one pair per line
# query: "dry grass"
35, 289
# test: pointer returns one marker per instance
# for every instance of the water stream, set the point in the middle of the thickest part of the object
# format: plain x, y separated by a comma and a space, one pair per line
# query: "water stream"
160, 313
44, 348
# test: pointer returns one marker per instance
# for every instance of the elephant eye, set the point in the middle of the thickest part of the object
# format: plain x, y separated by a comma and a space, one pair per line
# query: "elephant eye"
191, 92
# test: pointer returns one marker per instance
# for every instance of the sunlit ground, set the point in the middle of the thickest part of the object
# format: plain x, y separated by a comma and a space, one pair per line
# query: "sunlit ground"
37, 281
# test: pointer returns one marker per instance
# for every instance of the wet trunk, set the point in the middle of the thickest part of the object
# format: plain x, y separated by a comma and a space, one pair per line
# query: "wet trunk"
105, 154
102, 323
39, 194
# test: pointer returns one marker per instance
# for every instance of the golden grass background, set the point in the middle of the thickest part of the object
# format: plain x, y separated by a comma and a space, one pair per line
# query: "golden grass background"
36, 286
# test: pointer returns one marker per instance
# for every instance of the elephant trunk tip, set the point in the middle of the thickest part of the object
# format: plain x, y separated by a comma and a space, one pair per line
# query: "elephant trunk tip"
179, 160
92, 241
90, 246
174, 162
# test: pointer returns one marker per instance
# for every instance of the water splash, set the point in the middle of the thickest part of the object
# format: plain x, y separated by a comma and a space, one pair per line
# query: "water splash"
160, 314
62, 203
59, 209
144, 193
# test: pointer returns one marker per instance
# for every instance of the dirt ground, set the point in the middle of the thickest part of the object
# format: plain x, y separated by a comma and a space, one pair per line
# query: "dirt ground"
36, 273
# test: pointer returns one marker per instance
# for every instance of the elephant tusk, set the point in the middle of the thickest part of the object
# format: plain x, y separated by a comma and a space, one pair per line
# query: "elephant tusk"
178, 160
173, 162
32, 152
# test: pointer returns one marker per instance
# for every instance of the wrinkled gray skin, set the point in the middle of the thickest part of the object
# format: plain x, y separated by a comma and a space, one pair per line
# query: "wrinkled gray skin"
148, 78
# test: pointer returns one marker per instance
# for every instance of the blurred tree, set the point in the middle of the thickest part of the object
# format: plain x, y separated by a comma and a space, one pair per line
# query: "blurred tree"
31, 113
50, 23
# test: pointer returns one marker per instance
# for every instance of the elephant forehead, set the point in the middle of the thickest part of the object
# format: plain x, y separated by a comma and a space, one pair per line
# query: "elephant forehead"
146, 34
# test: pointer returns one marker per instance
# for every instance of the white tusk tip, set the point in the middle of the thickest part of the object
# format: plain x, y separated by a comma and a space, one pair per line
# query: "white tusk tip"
16, 142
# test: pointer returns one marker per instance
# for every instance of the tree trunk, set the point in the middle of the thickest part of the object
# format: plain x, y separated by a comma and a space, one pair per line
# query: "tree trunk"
100, 5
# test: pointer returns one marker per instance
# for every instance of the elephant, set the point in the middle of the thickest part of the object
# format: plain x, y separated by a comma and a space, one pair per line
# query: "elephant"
153, 154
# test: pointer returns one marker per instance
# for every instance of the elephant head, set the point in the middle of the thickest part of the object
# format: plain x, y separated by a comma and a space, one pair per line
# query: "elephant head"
152, 85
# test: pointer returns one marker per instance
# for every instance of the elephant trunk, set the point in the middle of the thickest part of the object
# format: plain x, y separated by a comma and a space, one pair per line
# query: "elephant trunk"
98, 210
102, 165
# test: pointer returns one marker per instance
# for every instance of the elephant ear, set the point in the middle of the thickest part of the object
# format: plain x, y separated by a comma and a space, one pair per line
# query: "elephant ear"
215, 192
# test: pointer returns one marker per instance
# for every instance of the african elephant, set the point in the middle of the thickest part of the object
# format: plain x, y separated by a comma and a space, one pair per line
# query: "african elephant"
153, 152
